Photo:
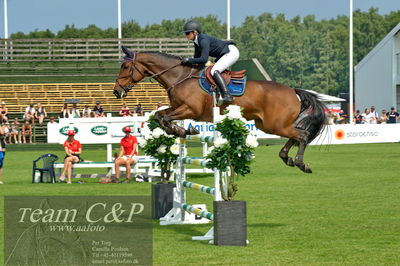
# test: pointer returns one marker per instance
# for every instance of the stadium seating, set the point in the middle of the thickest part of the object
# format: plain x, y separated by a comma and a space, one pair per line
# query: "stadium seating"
53, 95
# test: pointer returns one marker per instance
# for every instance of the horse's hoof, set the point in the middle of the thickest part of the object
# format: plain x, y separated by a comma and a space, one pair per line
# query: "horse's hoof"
193, 131
303, 167
290, 162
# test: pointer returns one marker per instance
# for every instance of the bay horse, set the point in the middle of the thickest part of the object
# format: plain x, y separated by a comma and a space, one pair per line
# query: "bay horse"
276, 109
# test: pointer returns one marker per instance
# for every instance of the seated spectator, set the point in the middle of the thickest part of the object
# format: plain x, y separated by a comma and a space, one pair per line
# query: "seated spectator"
30, 113
73, 150
98, 110
3, 112
15, 131
86, 112
65, 111
127, 155
159, 105
392, 116
331, 117
368, 117
125, 110
26, 132
7, 132
52, 120
139, 110
383, 118
41, 113
74, 112
358, 119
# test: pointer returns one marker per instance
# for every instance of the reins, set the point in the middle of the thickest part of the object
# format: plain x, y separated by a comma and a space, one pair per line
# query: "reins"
153, 75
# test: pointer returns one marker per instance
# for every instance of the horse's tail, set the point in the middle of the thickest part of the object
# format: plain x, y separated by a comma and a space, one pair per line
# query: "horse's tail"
312, 116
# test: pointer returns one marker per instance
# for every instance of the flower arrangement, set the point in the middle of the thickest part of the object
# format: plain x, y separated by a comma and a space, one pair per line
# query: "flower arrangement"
233, 150
160, 145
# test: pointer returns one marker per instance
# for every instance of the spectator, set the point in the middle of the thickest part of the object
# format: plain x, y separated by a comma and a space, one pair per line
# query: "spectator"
52, 120
2, 153
30, 114
159, 105
358, 119
383, 118
375, 115
3, 112
139, 110
74, 112
331, 117
127, 155
86, 112
65, 111
368, 117
392, 116
73, 150
26, 132
41, 113
15, 131
125, 110
98, 110
340, 118
7, 132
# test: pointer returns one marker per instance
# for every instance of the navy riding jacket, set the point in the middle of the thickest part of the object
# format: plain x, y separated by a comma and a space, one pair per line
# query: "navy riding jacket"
209, 46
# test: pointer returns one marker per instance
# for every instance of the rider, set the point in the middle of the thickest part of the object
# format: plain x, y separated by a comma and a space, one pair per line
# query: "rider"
225, 52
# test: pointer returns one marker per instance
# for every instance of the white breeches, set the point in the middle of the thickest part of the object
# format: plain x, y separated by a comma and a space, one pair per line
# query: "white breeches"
226, 60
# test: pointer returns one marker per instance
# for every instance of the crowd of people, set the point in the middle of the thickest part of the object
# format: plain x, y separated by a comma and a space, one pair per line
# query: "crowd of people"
369, 116
20, 130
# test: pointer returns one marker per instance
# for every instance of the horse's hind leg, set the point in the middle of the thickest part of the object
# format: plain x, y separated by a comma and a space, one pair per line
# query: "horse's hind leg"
300, 153
284, 153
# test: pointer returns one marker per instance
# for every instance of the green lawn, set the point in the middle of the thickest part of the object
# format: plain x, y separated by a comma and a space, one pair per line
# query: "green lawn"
346, 212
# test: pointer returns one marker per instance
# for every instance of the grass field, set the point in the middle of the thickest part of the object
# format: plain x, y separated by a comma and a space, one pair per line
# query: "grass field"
346, 213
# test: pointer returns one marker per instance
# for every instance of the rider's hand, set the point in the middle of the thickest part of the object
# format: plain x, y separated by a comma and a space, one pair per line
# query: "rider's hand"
185, 61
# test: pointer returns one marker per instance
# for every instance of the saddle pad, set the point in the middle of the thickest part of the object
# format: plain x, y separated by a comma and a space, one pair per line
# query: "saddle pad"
236, 87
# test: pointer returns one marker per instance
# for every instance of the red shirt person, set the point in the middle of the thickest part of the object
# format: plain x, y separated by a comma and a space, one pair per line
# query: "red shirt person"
73, 149
127, 155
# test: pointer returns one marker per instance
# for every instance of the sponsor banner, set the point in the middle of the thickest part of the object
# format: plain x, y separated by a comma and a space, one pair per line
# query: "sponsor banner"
77, 230
361, 133
94, 130
208, 129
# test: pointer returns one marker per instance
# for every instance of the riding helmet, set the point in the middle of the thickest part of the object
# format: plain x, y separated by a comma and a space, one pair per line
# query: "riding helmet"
192, 26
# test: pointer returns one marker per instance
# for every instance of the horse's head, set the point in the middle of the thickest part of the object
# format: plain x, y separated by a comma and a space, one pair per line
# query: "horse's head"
130, 73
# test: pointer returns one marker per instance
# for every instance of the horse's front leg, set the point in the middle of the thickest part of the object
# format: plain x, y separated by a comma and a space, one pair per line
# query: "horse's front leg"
180, 113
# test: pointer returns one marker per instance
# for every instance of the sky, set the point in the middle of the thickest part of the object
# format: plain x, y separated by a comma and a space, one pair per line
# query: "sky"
31, 15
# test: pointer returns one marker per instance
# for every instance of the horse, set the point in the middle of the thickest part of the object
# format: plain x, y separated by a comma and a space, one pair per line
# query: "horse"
276, 108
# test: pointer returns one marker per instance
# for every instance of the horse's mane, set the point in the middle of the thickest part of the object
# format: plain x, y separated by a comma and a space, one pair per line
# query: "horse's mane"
201, 66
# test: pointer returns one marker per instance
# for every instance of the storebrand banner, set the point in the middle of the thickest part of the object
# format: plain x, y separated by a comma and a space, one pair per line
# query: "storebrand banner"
77, 230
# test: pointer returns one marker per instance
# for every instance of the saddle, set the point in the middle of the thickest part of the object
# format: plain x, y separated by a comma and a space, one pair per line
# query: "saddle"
227, 75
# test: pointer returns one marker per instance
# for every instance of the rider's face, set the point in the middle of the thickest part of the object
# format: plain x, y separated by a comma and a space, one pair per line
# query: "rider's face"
190, 36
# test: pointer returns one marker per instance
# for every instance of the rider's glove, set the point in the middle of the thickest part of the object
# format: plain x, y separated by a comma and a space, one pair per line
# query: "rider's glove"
185, 62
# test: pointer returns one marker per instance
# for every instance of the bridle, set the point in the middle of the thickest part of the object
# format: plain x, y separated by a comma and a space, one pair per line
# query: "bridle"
152, 75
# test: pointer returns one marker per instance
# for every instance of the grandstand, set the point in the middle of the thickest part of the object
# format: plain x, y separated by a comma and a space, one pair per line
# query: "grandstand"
53, 95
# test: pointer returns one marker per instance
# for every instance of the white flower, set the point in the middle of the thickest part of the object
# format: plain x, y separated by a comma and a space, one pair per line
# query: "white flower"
251, 141
162, 149
219, 142
210, 149
142, 142
218, 119
234, 112
148, 137
177, 141
157, 132
175, 149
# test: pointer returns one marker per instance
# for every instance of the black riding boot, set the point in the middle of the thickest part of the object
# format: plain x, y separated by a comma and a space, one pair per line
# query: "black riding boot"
226, 97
